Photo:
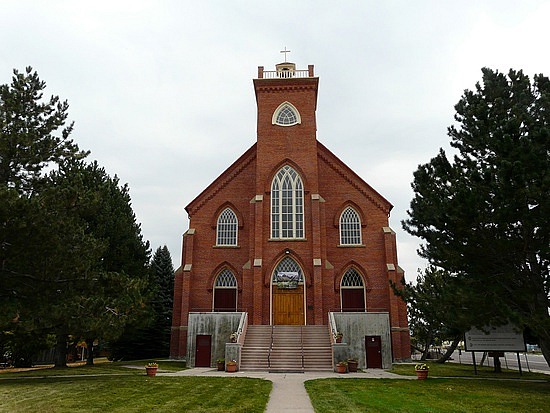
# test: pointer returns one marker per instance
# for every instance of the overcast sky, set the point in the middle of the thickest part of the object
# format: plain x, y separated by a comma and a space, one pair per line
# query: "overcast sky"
161, 91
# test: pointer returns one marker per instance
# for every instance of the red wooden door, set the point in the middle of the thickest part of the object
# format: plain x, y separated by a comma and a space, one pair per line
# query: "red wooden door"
353, 299
203, 346
373, 346
288, 306
225, 299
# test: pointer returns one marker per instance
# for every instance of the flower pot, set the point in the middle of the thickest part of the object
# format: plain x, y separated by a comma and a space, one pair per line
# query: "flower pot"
422, 374
151, 371
338, 339
231, 368
352, 366
341, 368
221, 366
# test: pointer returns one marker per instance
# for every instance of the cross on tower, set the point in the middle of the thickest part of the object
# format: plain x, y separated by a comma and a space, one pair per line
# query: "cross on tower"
285, 52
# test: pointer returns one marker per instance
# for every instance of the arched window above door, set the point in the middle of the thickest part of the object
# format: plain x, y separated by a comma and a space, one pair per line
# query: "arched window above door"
352, 291
225, 291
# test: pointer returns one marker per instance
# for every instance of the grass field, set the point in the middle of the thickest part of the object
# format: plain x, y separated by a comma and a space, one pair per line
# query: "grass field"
432, 395
123, 387
466, 370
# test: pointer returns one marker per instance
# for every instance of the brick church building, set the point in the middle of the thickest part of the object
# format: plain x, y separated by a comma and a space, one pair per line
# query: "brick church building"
288, 235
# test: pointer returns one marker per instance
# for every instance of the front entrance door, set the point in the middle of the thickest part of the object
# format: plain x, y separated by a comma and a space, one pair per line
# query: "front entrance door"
373, 345
203, 351
288, 306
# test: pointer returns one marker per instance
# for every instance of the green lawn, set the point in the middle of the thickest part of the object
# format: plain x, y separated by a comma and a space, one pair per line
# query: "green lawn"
465, 370
133, 393
432, 395
101, 367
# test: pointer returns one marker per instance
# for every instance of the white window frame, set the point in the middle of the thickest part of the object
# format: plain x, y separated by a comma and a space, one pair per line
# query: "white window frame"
350, 227
286, 105
227, 228
287, 205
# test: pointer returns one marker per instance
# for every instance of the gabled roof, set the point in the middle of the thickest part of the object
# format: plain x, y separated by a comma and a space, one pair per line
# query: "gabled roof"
355, 180
323, 153
223, 180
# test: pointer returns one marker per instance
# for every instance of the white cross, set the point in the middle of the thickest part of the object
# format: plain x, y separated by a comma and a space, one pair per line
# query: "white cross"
285, 52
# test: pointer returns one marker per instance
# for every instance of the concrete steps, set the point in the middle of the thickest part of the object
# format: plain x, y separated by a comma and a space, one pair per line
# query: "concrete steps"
291, 345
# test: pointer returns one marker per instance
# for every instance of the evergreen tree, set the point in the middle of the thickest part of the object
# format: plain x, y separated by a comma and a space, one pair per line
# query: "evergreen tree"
484, 215
29, 126
152, 339
72, 258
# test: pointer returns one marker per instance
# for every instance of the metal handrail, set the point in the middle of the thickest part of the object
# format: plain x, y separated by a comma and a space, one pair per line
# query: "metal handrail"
242, 327
270, 349
302, 345
332, 326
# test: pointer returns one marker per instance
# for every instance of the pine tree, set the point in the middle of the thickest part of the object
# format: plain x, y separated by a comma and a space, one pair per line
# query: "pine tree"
33, 134
484, 215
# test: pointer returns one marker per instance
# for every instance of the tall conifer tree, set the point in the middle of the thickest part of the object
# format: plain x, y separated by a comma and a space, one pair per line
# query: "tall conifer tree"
485, 214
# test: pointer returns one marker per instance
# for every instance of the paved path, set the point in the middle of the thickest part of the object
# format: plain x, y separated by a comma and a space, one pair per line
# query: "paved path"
289, 393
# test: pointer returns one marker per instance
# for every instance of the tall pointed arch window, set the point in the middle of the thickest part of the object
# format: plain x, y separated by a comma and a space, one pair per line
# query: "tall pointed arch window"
225, 291
287, 204
352, 289
286, 115
226, 229
350, 227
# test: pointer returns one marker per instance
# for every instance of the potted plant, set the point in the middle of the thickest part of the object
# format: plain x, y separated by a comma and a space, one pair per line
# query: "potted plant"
342, 367
151, 368
352, 365
220, 363
338, 337
233, 337
421, 371
231, 366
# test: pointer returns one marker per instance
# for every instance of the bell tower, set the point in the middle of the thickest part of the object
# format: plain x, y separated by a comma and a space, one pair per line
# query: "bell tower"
286, 127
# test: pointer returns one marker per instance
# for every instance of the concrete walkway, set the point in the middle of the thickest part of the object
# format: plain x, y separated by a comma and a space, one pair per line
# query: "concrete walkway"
289, 393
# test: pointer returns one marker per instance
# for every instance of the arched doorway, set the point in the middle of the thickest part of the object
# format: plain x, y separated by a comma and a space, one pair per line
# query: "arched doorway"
353, 291
287, 293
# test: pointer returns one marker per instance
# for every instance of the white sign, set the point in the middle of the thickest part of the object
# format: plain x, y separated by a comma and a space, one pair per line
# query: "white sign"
503, 338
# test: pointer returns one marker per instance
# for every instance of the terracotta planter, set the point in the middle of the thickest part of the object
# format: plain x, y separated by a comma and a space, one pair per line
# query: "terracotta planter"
151, 371
341, 368
352, 366
231, 368
422, 374
338, 339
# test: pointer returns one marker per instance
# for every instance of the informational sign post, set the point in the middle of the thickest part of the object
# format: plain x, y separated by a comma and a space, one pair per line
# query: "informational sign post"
496, 341
502, 338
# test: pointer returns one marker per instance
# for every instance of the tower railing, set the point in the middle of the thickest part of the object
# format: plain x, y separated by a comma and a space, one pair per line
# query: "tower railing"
286, 74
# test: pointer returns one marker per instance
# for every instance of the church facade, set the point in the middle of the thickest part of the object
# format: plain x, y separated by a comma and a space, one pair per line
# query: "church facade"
287, 235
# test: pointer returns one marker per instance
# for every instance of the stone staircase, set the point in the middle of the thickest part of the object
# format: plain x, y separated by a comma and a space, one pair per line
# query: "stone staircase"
291, 346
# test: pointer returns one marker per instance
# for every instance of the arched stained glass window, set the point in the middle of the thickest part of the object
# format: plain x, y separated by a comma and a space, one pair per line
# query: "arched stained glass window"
290, 267
352, 279
227, 228
287, 204
350, 227
226, 279
286, 115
